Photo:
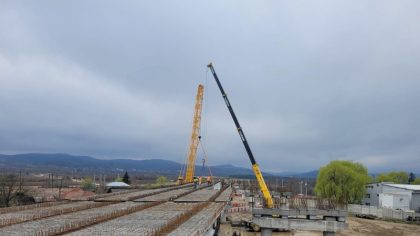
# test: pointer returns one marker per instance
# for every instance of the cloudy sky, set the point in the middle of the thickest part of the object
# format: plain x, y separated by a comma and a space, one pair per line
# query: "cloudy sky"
310, 81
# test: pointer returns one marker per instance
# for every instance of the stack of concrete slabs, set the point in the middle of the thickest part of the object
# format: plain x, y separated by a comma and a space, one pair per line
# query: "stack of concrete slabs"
202, 195
224, 196
144, 222
42, 212
103, 195
200, 222
130, 196
56, 224
166, 196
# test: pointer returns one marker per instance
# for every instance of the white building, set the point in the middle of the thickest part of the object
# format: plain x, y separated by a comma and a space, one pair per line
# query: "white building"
374, 190
394, 201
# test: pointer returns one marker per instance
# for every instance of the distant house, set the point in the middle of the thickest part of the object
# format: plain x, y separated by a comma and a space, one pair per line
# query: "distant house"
118, 185
400, 192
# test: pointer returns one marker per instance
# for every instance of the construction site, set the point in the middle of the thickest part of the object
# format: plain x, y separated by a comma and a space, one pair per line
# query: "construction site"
195, 205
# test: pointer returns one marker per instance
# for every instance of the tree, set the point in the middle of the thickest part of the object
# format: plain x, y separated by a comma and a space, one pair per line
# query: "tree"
87, 183
416, 181
396, 177
126, 178
10, 188
161, 180
119, 179
343, 181
411, 178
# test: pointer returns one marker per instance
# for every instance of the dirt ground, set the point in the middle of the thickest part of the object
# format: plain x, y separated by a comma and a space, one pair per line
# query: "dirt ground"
357, 227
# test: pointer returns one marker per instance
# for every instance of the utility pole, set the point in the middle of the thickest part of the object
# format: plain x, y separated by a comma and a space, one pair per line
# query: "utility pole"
301, 183
20, 181
59, 191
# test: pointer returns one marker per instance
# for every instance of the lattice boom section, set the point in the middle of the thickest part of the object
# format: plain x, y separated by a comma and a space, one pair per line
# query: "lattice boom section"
143, 223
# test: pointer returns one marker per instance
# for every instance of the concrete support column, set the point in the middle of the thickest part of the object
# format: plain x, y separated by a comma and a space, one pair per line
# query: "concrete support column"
267, 232
223, 216
327, 233
250, 206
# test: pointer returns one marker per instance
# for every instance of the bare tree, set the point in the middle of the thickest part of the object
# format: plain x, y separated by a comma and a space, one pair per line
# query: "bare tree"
10, 188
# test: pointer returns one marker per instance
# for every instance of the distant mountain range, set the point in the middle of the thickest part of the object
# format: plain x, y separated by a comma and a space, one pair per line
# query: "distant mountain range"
35, 162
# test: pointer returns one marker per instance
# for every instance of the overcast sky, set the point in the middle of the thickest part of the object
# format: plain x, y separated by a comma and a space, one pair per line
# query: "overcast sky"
310, 81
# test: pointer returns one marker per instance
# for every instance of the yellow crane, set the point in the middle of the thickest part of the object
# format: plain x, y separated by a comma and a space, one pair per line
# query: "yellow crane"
255, 166
194, 138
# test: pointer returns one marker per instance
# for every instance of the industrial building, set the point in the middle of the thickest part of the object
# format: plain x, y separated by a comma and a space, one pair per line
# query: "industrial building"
396, 196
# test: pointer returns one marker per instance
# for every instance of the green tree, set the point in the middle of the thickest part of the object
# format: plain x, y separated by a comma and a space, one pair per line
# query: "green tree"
411, 178
396, 177
416, 181
161, 180
342, 180
126, 178
87, 184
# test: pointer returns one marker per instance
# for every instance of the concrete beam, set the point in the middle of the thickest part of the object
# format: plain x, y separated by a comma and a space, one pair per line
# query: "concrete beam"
300, 224
292, 212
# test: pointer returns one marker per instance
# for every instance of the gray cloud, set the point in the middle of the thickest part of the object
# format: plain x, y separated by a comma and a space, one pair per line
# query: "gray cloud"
310, 82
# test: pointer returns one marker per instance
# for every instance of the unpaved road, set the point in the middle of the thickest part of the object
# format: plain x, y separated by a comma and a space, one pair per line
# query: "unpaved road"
357, 227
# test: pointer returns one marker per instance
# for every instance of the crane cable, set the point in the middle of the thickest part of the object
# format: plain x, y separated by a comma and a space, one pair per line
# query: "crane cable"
205, 156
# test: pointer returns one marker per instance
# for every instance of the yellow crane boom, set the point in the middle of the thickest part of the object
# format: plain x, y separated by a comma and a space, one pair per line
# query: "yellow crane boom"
194, 135
255, 166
